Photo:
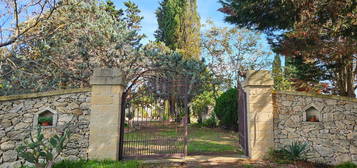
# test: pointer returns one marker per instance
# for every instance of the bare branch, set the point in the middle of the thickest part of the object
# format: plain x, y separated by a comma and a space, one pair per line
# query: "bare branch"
16, 30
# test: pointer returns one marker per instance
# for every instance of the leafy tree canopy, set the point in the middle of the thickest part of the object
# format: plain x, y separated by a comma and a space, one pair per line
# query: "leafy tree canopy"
79, 36
320, 31
264, 15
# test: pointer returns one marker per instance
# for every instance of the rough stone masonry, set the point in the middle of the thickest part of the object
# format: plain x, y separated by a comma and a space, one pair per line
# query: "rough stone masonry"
17, 115
332, 140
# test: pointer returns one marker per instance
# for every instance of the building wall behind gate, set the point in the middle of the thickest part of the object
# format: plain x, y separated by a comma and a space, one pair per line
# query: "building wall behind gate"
17, 117
331, 140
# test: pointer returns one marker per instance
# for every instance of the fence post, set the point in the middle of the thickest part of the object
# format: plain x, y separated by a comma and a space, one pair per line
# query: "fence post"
258, 87
107, 88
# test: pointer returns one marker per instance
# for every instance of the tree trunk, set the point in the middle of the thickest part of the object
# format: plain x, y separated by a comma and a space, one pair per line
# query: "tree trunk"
345, 77
188, 114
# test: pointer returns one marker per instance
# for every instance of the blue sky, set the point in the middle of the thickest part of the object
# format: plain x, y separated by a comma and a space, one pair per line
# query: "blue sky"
206, 8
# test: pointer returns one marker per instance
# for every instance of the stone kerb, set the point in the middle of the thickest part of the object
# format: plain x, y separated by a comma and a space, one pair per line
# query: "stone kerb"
107, 88
258, 87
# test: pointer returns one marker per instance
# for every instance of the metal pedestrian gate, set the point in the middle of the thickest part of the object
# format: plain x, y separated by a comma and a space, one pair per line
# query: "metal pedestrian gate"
242, 120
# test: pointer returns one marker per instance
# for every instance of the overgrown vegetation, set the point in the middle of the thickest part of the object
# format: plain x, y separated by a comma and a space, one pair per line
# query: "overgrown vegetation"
41, 151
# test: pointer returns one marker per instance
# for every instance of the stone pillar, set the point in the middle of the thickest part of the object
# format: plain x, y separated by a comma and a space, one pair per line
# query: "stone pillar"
107, 88
258, 87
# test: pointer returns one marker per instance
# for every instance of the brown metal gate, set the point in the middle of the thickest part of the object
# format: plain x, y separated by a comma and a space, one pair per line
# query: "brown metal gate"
149, 131
153, 139
242, 120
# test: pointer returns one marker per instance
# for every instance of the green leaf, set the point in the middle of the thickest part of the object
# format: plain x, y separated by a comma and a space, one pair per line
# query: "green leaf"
49, 156
43, 154
53, 142
28, 157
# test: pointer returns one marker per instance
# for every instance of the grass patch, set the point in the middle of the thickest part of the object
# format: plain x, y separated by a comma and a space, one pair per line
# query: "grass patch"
169, 133
248, 166
208, 140
196, 147
95, 164
347, 165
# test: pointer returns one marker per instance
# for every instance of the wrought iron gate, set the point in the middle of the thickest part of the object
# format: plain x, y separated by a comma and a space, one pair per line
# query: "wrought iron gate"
242, 119
150, 131
146, 137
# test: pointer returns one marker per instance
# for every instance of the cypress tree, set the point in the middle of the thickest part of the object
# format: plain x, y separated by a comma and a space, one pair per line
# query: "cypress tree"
277, 73
191, 31
179, 26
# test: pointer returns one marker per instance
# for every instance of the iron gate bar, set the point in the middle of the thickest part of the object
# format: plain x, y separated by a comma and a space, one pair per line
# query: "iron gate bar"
242, 119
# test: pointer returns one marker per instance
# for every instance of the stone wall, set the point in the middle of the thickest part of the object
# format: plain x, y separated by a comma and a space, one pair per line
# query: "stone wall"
17, 115
331, 140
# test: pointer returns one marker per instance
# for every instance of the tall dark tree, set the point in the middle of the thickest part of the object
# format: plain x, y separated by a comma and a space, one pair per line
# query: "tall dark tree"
169, 16
179, 26
263, 15
323, 31
191, 37
179, 29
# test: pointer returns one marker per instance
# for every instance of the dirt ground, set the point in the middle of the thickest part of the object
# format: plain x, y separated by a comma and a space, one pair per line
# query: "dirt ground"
242, 163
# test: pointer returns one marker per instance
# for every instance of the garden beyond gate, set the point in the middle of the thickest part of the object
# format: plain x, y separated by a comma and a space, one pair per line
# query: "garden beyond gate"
154, 127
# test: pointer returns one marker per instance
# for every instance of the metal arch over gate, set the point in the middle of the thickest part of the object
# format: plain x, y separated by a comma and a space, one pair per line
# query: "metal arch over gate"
149, 131
242, 120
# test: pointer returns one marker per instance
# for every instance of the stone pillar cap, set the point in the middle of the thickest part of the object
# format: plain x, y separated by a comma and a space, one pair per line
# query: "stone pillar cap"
107, 76
259, 78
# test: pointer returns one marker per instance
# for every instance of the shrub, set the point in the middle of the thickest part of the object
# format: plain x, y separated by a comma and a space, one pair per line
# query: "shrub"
347, 165
226, 109
295, 151
277, 156
45, 119
210, 123
201, 103
42, 152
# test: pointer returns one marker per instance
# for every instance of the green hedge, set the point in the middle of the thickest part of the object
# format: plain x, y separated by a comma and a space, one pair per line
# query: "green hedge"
226, 109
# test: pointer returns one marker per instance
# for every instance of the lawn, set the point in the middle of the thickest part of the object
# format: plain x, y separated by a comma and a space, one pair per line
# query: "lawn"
212, 141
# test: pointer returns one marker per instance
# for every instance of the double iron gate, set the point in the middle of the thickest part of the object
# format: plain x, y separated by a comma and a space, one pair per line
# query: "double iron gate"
149, 135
